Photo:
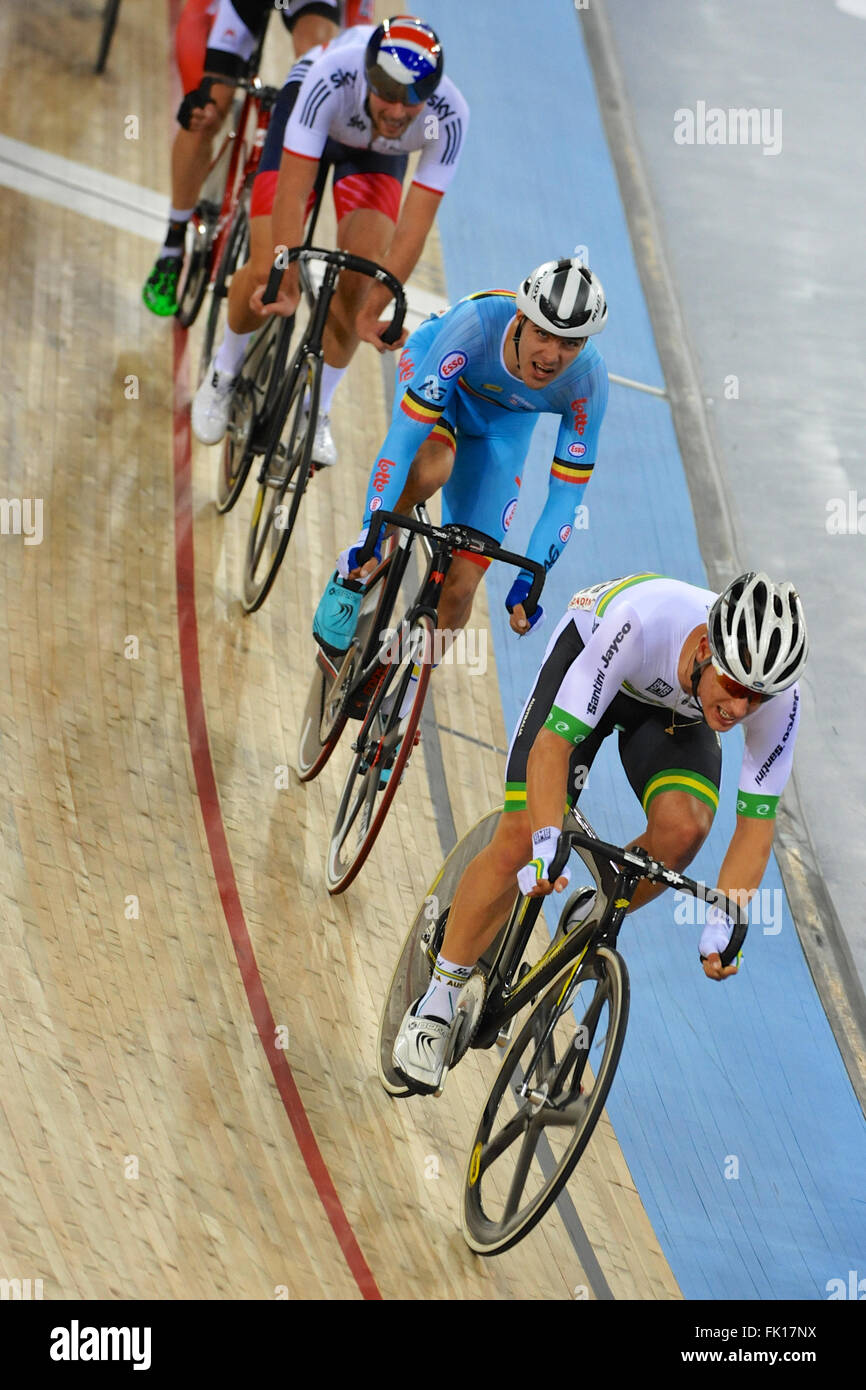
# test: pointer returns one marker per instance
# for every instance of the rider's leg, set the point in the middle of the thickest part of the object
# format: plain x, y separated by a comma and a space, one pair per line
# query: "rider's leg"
674, 769
677, 826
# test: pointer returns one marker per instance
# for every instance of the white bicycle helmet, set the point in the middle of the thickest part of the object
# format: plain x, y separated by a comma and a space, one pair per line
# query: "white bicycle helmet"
757, 633
565, 298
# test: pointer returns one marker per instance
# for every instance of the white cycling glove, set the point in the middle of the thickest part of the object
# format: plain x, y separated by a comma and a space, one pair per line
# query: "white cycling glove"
544, 846
717, 932
347, 560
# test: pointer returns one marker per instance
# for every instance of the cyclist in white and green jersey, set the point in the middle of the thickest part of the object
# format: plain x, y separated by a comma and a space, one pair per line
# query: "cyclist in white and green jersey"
671, 667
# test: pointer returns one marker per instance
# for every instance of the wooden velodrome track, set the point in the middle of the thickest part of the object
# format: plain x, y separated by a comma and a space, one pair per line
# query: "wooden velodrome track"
156, 927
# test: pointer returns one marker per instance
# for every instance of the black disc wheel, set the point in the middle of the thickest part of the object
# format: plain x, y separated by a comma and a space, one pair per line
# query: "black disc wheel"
545, 1102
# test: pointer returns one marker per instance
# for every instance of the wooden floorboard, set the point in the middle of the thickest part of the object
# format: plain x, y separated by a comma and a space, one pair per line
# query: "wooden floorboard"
144, 1148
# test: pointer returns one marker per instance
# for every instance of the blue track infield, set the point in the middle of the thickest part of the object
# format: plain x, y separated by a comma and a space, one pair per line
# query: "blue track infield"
731, 1104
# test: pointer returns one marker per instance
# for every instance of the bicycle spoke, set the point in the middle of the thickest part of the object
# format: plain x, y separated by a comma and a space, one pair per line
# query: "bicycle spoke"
521, 1171
505, 1137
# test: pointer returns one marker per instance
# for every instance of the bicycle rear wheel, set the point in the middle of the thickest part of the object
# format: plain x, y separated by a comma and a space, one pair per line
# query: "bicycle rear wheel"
412, 972
235, 250
545, 1102
325, 714
285, 470
384, 746
248, 401
201, 231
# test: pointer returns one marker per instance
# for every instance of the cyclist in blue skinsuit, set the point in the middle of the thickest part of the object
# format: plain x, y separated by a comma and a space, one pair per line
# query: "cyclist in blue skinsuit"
471, 384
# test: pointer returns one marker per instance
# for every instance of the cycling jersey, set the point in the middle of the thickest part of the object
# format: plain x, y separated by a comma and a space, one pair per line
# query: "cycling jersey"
239, 24
333, 102
452, 380
633, 631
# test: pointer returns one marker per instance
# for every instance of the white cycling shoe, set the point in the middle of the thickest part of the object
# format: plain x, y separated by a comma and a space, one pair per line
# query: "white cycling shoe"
419, 1049
324, 448
211, 404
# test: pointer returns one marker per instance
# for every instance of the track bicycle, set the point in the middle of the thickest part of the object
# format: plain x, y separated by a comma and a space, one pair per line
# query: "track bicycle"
552, 1085
257, 390
291, 417
221, 216
373, 679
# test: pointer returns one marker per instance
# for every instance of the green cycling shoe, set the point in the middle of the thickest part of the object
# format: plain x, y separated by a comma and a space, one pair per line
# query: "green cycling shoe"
160, 288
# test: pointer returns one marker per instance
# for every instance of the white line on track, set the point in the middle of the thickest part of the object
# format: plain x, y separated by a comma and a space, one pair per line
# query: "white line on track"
142, 212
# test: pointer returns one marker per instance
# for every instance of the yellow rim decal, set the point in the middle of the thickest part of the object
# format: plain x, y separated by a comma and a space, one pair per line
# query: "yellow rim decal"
257, 506
622, 902
474, 1164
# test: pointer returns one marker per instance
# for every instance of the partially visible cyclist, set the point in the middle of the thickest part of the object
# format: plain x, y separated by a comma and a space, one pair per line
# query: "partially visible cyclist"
471, 385
671, 667
214, 41
364, 104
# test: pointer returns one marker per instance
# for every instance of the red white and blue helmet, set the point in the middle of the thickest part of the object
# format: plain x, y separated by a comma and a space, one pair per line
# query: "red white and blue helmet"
404, 60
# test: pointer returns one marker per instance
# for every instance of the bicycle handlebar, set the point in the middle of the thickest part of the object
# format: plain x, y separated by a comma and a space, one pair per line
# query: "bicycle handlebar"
345, 261
457, 537
642, 863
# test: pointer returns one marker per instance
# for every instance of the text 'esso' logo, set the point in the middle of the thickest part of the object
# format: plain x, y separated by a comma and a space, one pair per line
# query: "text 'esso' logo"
451, 364
564, 533
577, 451
580, 415
382, 474
375, 503
508, 513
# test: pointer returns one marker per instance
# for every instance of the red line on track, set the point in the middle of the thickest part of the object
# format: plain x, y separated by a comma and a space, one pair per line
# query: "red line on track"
205, 779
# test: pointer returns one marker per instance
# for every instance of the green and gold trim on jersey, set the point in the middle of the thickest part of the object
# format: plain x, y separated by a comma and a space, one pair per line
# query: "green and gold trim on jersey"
573, 730
515, 796
756, 806
679, 779
620, 586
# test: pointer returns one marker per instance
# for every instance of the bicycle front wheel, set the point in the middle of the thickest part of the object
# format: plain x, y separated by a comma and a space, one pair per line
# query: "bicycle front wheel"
384, 745
283, 480
545, 1102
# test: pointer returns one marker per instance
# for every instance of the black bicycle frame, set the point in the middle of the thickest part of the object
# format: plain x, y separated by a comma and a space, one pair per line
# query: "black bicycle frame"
440, 543
618, 873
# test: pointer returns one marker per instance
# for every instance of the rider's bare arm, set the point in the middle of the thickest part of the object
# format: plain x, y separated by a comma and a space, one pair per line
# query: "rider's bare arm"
416, 218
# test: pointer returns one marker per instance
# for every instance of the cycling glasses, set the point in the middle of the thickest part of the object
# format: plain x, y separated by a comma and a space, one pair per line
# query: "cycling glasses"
390, 90
739, 692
